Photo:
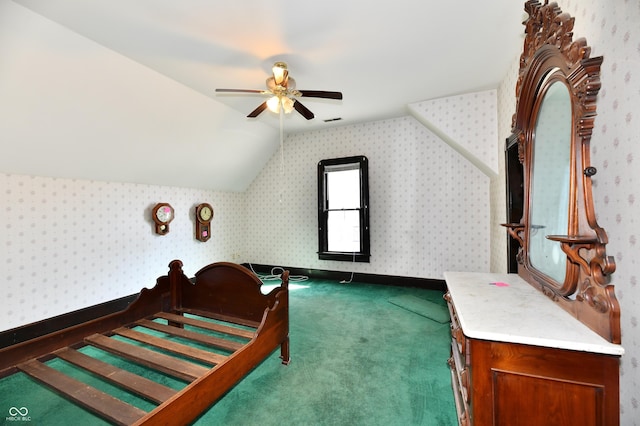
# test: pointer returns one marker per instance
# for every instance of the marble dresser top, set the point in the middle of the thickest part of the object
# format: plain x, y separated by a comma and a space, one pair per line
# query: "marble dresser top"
505, 308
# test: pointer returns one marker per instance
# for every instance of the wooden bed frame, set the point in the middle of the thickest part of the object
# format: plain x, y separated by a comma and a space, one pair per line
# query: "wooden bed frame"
223, 298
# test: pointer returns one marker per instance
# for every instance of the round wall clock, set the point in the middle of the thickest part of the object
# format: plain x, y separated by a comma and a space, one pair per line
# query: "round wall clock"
162, 215
204, 214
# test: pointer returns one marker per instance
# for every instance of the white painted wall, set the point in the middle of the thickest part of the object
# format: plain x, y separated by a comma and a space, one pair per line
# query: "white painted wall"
64, 97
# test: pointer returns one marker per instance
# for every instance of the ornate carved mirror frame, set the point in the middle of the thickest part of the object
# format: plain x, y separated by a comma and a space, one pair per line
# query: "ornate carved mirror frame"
552, 66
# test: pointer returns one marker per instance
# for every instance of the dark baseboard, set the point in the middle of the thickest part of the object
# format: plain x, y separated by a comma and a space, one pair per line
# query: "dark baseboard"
426, 283
49, 325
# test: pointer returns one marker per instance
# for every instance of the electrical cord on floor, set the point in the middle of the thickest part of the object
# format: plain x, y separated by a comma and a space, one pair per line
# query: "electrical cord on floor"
353, 263
347, 282
276, 275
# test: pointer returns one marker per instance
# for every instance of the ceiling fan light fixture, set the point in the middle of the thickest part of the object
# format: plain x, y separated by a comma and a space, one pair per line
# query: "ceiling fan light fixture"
280, 73
273, 104
283, 94
276, 102
287, 105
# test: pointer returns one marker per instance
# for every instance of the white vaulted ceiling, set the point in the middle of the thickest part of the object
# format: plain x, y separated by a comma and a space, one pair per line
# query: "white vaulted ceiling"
138, 78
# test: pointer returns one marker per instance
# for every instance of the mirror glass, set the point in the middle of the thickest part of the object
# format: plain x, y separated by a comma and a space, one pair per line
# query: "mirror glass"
550, 185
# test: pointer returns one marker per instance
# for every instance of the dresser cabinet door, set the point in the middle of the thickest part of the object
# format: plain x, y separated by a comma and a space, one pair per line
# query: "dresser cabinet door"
516, 384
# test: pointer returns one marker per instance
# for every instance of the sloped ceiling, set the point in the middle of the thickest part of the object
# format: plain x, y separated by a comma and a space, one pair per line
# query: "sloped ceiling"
381, 55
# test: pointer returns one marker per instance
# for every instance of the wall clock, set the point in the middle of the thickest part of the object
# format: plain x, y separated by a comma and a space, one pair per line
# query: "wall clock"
162, 215
204, 214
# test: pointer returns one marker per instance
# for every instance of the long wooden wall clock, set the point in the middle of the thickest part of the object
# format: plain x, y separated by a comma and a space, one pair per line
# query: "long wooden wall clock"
204, 214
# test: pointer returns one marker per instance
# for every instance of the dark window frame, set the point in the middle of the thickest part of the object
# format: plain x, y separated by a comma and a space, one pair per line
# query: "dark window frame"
323, 213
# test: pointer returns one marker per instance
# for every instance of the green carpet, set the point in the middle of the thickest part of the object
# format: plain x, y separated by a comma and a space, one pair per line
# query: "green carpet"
356, 359
434, 311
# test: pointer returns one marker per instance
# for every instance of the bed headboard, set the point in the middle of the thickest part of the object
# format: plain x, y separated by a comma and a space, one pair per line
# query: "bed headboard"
226, 282
562, 249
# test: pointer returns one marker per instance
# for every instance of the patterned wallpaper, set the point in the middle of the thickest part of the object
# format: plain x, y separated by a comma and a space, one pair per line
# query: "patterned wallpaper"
470, 120
611, 29
68, 244
429, 206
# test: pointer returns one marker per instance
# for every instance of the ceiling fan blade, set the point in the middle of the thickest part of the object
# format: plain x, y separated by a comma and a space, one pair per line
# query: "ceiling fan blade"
320, 94
241, 91
303, 110
256, 112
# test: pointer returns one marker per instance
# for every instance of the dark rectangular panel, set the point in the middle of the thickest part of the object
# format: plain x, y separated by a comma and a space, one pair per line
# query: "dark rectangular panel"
530, 400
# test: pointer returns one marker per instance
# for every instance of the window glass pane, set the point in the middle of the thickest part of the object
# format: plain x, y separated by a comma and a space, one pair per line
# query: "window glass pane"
344, 231
343, 189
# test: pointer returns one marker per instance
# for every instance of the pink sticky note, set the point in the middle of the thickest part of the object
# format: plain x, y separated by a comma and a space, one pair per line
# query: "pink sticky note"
500, 284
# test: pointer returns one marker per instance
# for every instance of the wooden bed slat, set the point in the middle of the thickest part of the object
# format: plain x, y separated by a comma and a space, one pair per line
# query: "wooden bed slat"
88, 397
140, 385
248, 334
228, 345
167, 364
177, 348
221, 317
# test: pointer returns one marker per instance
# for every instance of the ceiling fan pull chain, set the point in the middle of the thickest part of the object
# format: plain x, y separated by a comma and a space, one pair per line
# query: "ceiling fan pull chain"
281, 153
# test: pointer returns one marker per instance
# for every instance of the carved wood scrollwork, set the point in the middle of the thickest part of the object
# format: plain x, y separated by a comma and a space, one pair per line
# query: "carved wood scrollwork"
551, 56
515, 230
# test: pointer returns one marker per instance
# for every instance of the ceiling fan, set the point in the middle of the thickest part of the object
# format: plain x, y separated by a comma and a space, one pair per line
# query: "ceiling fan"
283, 94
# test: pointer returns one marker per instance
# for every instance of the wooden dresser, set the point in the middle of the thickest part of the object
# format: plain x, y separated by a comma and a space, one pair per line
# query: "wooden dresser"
519, 359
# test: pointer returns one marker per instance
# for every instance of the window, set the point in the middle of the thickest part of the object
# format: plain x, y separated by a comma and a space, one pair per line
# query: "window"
343, 209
